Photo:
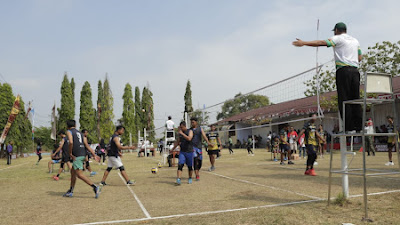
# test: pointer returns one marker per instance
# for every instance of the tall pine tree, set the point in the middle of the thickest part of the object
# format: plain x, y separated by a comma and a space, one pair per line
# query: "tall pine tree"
66, 111
188, 98
100, 96
148, 115
138, 113
128, 114
107, 126
87, 113
72, 83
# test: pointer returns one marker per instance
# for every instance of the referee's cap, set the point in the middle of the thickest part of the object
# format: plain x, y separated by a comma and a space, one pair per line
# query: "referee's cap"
340, 26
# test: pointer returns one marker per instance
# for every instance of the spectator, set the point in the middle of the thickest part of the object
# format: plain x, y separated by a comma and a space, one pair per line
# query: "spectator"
292, 140
369, 140
9, 152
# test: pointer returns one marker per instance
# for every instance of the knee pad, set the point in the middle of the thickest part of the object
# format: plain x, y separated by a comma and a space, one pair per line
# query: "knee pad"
122, 168
180, 167
109, 169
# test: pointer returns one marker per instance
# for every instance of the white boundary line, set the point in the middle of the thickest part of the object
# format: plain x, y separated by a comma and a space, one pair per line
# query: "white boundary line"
136, 198
14, 166
271, 187
201, 213
227, 210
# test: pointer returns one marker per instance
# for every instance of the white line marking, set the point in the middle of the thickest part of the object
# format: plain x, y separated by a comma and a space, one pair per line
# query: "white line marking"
136, 198
227, 210
201, 213
271, 187
14, 166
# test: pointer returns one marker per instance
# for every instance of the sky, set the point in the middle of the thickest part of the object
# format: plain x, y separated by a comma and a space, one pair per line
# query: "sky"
223, 47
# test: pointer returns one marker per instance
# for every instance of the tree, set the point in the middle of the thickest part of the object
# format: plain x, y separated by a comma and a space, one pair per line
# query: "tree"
66, 112
148, 115
6, 102
242, 103
188, 98
100, 97
43, 134
87, 119
138, 113
327, 83
128, 114
107, 116
202, 117
383, 58
73, 96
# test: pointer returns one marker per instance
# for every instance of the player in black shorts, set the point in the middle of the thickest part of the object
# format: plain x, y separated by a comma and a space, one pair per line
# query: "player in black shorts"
215, 146
85, 134
77, 152
198, 133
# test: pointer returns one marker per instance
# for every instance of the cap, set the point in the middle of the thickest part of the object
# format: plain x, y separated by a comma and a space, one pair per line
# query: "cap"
341, 26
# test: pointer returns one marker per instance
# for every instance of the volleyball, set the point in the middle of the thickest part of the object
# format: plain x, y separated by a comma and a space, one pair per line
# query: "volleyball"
154, 170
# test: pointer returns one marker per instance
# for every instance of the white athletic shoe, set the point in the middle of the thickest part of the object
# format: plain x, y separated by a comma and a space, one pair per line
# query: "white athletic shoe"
389, 164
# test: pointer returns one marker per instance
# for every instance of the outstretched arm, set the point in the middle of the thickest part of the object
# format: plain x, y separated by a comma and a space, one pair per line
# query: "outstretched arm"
316, 43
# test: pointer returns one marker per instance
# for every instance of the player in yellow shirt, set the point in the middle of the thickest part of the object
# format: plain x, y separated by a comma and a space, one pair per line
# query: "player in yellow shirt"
310, 140
216, 145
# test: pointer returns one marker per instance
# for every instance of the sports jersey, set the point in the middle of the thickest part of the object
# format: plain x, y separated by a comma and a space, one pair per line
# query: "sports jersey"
292, 137
285, 138
310, 136
390, 129
196, 141
65, 148
78, 148
185, 145
213, 139
346, 50
38, 149
113, 146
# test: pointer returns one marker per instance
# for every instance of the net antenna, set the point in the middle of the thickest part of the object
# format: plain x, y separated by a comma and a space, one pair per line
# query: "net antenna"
320, 113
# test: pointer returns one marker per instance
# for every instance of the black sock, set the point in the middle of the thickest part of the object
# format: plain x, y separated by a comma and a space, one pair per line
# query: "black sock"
58, 175
71, 189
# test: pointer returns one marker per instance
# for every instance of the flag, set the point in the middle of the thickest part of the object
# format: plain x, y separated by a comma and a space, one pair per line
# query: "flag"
11, 118
53, 134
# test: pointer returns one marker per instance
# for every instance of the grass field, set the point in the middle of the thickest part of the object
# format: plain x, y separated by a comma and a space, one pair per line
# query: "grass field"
242, 190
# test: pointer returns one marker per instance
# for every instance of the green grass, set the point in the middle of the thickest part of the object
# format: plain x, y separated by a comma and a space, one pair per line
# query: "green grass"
28, 195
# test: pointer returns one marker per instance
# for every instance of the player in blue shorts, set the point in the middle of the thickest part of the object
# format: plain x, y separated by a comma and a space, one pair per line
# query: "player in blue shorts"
186, 152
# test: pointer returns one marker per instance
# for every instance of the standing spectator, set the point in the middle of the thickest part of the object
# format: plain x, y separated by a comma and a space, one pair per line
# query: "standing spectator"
9, 152
39, 152
391, 140
230, 145
369, 140
249, 146
269, 141
292, 140
302, 145
321, 144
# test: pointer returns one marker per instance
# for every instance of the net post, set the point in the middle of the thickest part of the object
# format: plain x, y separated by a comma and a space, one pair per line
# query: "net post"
343, 156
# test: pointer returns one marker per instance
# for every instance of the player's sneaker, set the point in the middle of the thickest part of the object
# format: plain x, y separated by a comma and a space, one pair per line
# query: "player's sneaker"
312, 172
131, 182
93, 173
190, 180
211, 168
290, 162
56, 178
284, 159
103, 183
282, 163
307, 172
197, 178
389, 163
68, 194
97, 191
178, 181
275, 160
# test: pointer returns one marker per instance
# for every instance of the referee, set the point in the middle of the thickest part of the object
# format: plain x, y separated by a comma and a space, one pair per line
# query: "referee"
347, 57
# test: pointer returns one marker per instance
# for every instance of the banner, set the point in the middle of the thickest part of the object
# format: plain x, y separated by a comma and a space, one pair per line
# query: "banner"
11, 118
53, 134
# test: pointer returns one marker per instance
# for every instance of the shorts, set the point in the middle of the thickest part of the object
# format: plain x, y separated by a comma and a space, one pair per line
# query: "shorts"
213, 152
77, 164
284, 147
293, 146
170, 133
186, 158
56, 160
311, 149
114, 162
65, 159
198, 153
390, 146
